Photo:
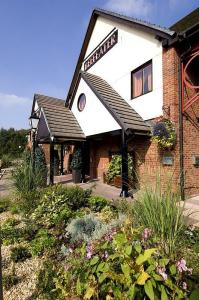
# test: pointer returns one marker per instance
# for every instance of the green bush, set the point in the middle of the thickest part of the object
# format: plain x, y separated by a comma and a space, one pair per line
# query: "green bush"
45, 281
40, 164
115, 167
77, 197
44, 241
10, 234
58, 204
19, 254
97, 203
160, 211
84, 229
4, 204
121, 266
27, 178
6, 161
9, 280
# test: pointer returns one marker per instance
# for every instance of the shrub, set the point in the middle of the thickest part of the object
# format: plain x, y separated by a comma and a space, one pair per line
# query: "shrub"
53, 207
19, 254
115, 167
77, 163
121, 266
4, 204
77, 197
160, 211
40, 164
97, 203
83, 229
9, 280
6, 161
10, 234
44, 241
45, 281
28, 177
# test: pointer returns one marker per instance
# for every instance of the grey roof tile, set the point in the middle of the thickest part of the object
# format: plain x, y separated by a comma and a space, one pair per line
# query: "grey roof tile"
123, 113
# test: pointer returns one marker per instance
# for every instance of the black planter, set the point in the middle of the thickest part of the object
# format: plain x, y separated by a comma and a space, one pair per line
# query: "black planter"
77, 175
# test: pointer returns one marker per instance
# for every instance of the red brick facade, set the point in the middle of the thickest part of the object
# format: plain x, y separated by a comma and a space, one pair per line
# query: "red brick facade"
148, 157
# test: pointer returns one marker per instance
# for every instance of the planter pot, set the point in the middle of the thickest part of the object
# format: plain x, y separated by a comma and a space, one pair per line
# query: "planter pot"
77, 176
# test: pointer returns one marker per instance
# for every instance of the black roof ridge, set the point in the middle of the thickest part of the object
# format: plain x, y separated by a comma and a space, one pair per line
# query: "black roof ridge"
137, 20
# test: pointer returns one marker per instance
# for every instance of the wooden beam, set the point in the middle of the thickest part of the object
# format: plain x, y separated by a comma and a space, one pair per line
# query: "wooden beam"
62, 159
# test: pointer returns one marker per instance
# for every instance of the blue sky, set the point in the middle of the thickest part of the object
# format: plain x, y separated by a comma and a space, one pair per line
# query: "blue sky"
41, 41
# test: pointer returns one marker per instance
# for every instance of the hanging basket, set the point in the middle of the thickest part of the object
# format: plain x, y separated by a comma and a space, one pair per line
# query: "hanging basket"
164, 134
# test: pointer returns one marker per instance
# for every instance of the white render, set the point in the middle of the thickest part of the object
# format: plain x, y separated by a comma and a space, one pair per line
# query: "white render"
134, 48
95, 118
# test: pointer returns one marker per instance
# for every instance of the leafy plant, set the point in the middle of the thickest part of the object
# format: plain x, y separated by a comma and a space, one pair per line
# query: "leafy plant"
4, 204
44, 241
115, 167
160, 210
83, 229
164, 133
45, 281
121, 266
77, 163
40, 164
6, 161
9, 280
97, 203
10, 234
19, 254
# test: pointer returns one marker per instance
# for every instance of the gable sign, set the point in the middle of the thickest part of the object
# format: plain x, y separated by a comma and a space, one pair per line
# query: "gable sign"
101, 50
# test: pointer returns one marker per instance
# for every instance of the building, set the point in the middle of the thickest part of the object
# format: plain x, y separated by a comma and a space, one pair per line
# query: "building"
130, 74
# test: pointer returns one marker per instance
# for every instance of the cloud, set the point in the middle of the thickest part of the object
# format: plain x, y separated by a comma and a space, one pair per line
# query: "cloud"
10, 100
138, 8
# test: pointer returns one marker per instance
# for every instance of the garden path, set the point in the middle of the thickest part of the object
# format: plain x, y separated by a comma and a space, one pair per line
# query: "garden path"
192, 209
6, 185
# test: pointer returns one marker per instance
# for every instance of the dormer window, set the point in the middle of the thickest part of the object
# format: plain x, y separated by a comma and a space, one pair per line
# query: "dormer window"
141, 80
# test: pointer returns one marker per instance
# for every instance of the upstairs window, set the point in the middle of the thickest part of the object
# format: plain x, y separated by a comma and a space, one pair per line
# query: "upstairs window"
141, 80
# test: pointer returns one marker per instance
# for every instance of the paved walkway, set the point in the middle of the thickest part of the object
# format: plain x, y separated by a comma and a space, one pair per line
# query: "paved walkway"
6, 184
192, 210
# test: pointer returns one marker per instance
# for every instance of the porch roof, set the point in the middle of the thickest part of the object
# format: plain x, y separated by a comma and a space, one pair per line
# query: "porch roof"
57, 123
122, 112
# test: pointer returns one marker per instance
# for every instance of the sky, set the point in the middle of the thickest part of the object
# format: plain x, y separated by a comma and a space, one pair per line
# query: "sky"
41, 40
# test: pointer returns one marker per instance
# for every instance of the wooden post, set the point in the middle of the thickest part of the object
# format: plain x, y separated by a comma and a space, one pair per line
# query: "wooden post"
51, 163
124, 191
62, 159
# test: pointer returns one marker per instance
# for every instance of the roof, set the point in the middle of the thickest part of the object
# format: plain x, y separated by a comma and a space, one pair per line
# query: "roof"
122, 112
47, 100
161, 32
187, 22
61, 123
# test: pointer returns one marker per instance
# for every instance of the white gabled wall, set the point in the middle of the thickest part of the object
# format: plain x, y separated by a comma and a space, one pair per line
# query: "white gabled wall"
134, 48
95, 118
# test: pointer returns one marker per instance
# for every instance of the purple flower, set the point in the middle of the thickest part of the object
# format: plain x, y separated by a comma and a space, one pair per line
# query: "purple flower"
162, 272
146, 234
184, 285
106, 255
89, 251
109, 235
181, 265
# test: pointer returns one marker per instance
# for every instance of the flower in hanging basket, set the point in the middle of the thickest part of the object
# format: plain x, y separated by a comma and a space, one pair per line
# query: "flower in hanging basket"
164, 134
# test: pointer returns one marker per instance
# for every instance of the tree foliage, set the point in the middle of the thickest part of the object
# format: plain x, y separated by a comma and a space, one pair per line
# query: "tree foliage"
12, 141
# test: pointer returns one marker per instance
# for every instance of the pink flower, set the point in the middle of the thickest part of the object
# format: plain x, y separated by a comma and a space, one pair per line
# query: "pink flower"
184, 285
106, 254
181, 265
161, 271
146, 234
89, 251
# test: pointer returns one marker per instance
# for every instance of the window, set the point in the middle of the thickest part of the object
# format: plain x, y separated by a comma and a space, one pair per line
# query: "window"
81, 102
141, 80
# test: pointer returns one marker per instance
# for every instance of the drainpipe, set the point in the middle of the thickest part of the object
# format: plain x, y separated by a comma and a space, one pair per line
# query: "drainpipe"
181, 136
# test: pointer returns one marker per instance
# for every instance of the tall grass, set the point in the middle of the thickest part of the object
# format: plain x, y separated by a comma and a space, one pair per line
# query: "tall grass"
27, 179
160, 210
